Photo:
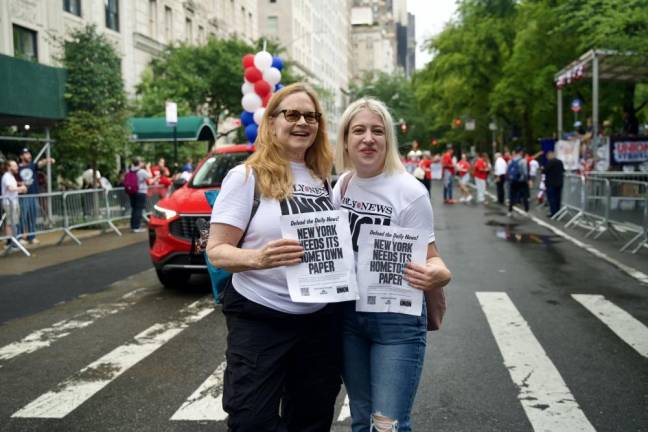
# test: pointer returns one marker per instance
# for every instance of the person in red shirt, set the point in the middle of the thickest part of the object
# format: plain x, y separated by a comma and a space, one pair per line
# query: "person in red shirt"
481, 170
426, 164
448, 174
463, 170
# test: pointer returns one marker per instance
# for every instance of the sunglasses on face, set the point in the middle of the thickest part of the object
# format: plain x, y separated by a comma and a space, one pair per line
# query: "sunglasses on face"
293, 116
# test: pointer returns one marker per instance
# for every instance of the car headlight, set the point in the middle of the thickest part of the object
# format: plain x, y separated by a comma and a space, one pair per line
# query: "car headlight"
163, 213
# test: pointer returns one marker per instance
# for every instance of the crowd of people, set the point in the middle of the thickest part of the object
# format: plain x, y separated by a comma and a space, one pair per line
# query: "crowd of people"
517, 176
23, 179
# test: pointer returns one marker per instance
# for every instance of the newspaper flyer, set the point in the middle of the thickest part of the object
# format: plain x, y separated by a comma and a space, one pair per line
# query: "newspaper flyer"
327, 271
383, 254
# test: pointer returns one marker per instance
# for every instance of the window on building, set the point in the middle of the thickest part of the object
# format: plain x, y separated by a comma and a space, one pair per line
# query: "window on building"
188, 30
168, 24
273, 25
201, 34
72, 6
244, 22
152, 13
25, 43
112, 14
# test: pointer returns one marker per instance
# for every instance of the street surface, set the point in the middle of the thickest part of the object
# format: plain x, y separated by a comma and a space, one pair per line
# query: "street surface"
540, 335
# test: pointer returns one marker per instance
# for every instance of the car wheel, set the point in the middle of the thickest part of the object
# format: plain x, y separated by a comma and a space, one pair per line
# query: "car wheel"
173, 278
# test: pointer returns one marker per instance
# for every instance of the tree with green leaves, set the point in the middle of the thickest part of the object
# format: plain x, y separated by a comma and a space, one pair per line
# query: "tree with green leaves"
202, 79
95, 129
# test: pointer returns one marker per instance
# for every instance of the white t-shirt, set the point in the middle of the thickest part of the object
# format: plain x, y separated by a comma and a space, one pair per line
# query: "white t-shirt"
386, 199
233, 206
9, 181
500, 166
533, 168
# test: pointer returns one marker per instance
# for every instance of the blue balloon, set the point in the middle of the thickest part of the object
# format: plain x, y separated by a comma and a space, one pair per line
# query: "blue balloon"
251, 132
277, 62
278, 87
247, 118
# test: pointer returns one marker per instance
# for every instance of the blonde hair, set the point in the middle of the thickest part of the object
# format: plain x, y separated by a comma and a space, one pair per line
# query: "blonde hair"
343, 162
271, 163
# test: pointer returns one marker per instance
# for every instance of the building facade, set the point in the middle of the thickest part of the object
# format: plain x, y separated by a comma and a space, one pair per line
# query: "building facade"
138, 29
316, 37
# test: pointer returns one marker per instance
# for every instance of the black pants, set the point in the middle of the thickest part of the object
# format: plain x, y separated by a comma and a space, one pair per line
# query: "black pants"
138, 203
500, 189
519, 193
553, 198
274, 357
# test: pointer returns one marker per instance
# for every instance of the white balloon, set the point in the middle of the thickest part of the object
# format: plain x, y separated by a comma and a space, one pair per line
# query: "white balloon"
272, 75
247, 87
251, 102
258, 115
263, 60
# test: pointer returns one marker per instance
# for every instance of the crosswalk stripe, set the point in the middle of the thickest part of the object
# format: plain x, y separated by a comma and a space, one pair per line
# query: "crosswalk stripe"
47, 336
345, 412
74, 391
546, 399
206, 403
627, 327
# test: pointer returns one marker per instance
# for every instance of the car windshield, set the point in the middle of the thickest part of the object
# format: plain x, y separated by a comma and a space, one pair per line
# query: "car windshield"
212, 172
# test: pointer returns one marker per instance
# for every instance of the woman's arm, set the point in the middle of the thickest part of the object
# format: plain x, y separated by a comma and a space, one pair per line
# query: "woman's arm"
432, 275
223, 252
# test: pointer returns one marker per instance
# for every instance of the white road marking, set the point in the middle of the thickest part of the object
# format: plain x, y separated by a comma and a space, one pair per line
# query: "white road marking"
77, 389
47, 336
345, 412
546, 399
640, 276
627, 327
206, 403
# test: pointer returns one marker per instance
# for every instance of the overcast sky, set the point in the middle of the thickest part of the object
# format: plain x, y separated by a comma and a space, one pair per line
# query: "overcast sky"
431, 16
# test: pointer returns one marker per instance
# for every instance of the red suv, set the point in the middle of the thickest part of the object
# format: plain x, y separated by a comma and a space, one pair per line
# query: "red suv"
172, 223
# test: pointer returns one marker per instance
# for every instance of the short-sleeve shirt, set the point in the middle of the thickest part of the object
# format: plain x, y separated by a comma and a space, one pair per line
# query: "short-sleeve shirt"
27, 173
9, 181
142, 180
448, 164
268, 287
387, 199
481, 169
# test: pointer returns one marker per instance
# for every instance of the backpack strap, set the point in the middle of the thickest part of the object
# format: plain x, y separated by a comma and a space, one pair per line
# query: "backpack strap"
345, 184
255, 206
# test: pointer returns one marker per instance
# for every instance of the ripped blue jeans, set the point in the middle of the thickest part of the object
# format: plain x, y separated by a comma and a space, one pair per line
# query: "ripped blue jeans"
383, 360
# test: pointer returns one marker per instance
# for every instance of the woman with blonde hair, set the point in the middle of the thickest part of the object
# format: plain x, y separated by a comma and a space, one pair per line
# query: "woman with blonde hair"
383, 351
279, 353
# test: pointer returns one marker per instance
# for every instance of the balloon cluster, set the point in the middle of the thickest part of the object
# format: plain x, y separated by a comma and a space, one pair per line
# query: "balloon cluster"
262, 78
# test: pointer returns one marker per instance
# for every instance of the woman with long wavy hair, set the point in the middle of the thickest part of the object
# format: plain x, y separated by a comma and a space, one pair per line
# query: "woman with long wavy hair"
280, 354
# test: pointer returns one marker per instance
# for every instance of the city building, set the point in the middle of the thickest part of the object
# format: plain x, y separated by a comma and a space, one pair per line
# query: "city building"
316, 37
382, 37
139, 29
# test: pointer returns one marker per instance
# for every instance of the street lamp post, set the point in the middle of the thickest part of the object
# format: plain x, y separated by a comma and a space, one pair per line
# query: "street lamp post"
171, 111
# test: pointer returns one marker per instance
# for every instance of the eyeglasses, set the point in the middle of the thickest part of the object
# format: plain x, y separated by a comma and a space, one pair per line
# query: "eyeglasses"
293, 116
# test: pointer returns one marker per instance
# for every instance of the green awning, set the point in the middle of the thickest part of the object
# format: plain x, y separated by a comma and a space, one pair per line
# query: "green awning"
155, 129
30, 92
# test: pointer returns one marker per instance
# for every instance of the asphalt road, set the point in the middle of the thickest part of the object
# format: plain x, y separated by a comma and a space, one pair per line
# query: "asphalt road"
517, 351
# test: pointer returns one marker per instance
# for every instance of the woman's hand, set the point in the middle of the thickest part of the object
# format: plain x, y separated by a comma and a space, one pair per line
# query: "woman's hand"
276, 253
431, 275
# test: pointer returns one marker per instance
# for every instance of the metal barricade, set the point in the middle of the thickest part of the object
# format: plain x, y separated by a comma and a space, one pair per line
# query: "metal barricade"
119, 205
572, 197
85, 208
629, 206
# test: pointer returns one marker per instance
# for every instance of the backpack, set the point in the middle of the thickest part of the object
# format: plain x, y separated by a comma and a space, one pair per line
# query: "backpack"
131, 182
514, 173
220, 279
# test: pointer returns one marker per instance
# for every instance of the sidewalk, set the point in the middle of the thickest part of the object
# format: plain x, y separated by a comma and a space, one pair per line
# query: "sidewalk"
48, 252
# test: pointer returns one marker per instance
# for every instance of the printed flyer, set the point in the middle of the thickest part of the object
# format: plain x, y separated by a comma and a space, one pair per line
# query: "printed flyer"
383, 254
327, 272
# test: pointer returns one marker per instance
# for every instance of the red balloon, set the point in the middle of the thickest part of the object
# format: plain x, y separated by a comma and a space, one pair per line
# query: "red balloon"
262, 88
266, 99
248, 61
253, 74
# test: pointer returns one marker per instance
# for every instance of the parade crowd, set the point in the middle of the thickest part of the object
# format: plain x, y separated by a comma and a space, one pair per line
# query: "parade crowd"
517, 175
23, 179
